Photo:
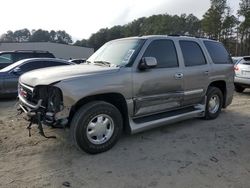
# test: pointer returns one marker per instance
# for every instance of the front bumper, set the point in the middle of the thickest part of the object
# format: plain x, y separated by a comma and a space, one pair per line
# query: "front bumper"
30, 105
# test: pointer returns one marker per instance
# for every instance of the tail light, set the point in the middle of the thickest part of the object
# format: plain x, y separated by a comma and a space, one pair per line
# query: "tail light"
236, 68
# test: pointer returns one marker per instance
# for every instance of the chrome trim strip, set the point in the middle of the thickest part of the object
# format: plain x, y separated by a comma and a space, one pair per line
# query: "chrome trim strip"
192, 92
25, 111
30, 105
28, 87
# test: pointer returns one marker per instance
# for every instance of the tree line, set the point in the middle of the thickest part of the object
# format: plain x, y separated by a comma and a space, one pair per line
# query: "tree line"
217, 23
24, 35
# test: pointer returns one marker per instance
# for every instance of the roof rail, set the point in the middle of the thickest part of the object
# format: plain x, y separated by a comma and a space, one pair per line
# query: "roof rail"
34, 51
174, 35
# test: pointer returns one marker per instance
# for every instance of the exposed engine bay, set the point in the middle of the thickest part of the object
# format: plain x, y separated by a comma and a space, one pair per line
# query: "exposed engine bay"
41, 105
52, 101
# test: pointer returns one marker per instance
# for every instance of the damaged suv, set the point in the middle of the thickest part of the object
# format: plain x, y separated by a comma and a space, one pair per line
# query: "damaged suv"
130, 84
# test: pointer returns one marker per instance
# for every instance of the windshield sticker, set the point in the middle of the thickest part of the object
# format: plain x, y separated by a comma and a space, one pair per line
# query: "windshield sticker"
128, 56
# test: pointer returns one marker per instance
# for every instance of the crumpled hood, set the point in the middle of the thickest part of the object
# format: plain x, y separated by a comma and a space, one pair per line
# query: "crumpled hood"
50, 75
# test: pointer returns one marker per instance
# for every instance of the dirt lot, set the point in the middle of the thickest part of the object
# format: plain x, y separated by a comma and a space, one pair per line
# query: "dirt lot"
194, 153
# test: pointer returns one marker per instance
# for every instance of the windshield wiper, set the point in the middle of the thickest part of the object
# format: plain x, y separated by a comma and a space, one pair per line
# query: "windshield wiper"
88, 62
105, 63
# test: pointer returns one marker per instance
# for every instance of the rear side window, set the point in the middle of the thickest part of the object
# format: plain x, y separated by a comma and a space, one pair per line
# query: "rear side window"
6, 58
217, 52
20, 56
192, 53
32, 66
165, 53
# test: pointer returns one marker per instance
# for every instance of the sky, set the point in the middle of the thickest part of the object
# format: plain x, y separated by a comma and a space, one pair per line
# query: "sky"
81, 18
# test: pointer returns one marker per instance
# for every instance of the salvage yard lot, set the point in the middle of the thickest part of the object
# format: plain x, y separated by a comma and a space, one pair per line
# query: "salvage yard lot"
193, 153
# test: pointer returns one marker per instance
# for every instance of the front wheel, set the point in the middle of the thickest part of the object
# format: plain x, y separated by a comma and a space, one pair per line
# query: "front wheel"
96, 127
214, 103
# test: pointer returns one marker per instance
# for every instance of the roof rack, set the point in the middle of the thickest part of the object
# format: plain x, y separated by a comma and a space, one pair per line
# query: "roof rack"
34, 51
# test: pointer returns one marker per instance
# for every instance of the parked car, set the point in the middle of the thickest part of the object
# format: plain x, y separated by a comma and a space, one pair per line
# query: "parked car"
9, 57
236, 59
9, 75
131, 84
77, 61
242, 74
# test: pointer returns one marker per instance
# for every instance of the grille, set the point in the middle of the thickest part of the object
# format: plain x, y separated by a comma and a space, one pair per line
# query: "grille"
26, 92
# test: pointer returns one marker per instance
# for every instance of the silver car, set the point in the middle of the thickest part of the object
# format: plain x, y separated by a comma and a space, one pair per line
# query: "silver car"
130, 84
242, 74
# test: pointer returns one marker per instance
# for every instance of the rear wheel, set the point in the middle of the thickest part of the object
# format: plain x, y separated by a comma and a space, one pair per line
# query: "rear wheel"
96, 127
238, 88
214, 103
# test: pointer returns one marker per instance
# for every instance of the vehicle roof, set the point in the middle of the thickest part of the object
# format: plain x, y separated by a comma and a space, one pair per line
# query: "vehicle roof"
167, 37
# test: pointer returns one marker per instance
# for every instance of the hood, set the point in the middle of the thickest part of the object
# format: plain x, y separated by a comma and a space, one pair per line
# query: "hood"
48, 76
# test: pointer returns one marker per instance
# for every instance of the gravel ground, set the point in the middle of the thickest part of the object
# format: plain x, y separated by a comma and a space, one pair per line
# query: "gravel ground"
193, 153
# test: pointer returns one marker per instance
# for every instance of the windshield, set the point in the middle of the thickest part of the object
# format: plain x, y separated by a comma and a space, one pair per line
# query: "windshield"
118, 53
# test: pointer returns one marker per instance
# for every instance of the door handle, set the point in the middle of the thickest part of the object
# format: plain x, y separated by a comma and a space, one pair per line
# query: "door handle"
178, 76
206, 72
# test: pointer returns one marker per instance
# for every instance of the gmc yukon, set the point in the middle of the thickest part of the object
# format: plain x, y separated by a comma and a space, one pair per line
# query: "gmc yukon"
131, 84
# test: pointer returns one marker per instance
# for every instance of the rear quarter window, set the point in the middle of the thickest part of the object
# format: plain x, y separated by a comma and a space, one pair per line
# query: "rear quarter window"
20, 56
192, 53
218, 53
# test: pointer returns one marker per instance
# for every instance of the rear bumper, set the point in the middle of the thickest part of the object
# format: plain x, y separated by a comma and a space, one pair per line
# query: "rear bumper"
242, 81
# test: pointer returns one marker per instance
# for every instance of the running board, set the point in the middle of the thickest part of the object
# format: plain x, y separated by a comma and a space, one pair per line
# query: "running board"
149, 122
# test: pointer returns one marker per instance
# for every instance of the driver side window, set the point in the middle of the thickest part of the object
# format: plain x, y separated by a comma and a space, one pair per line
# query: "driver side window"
165, 53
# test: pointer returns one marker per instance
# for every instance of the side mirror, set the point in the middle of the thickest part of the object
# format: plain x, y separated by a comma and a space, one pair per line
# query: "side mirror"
17, 70
147, 63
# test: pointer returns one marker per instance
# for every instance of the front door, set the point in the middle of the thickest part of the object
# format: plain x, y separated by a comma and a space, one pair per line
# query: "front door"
158, 89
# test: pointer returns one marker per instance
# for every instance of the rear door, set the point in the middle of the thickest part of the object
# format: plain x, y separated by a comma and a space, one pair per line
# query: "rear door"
158, 89
196, 72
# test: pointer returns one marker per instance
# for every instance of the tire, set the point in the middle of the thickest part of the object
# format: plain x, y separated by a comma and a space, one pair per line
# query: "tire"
214, 103
238, 88
96, 127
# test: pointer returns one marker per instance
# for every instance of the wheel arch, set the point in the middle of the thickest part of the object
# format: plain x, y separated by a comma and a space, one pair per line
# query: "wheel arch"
220, 84
116, 99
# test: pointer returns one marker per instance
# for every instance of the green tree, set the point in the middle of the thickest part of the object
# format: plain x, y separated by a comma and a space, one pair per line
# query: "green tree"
82, 42
22, 35
62, 37
244, 27
7, 37
40, 36
213, 19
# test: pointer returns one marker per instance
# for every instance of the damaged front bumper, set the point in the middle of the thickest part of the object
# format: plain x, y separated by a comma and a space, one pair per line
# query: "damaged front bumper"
45, 100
